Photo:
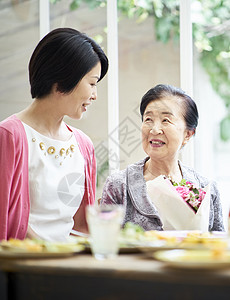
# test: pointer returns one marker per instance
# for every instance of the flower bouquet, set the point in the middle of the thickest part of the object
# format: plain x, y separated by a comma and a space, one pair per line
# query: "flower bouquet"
190, 193
181, 206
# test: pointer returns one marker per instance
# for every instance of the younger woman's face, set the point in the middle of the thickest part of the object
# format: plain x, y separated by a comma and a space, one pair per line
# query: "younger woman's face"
83, 94
164, 129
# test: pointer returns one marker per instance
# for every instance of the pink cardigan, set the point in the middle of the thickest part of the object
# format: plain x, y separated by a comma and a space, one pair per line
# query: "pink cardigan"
14, 182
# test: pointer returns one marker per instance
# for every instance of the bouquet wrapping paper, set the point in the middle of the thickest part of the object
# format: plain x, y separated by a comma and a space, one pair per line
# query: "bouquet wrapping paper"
174, 212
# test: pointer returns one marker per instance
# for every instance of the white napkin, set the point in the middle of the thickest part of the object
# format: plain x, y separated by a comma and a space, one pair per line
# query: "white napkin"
174, 212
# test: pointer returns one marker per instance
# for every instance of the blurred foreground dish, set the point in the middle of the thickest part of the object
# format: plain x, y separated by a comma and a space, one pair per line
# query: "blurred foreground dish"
194, 259
153, 240
37, 248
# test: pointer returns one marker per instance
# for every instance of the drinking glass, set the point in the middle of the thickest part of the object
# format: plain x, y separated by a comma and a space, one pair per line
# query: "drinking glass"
104, 223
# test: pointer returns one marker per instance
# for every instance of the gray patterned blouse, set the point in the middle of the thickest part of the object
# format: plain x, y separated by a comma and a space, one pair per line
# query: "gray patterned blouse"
128, 187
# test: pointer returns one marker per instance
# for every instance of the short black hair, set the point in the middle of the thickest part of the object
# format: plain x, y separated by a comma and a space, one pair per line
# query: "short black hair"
163, 90
63, 57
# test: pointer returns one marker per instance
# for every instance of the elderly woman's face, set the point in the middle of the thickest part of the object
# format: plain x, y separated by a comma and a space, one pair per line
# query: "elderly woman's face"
163, 129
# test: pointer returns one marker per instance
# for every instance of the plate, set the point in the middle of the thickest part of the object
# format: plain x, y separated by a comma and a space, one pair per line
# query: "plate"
194, 259
185, 240
149, 248
37, 249
10, 254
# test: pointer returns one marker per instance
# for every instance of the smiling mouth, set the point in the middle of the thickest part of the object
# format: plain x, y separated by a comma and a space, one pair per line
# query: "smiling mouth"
157, 143
85, 105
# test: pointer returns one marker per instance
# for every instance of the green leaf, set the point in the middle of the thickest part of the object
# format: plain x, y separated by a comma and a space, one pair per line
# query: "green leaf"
195, 191
54, 1
225, 129
75, 4
183, 182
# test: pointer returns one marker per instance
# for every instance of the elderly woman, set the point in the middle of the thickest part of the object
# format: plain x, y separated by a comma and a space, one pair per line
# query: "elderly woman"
48, 168
170, 118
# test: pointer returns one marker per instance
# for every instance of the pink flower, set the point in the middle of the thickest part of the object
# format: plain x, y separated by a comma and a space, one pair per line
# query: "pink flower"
183, 191
190, 193
201, 194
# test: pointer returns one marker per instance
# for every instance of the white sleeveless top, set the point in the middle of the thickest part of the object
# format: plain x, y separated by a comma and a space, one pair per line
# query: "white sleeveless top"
56, 184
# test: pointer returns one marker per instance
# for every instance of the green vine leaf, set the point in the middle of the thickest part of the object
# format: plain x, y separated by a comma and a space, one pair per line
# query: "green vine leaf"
224, 128
211, 34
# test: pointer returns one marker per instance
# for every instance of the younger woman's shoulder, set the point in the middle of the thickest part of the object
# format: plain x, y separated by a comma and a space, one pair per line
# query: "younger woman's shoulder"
13, 128
11, 123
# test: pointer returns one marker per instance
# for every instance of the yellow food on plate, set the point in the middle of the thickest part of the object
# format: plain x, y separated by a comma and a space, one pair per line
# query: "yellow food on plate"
38, 246
152, 235
21, 245
136, 235
206, 240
